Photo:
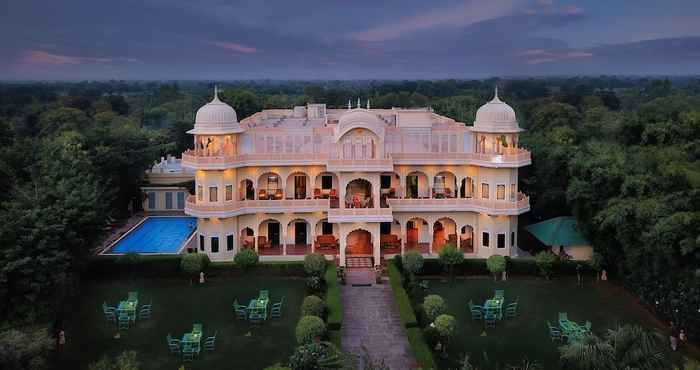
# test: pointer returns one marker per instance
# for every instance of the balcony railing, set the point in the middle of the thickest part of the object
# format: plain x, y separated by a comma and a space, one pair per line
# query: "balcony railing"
190, 159
234, 208
360, 214
463, 204
518, 157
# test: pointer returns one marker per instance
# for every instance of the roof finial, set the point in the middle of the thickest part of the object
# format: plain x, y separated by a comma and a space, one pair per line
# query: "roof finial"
367, 103
216, 92
349, 106
495, 96
358, 101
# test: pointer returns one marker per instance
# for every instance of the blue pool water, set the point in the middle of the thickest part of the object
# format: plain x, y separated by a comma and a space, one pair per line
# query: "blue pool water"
157, 235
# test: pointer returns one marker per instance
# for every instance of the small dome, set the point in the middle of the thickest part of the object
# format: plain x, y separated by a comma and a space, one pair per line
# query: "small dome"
216, 117
496, 116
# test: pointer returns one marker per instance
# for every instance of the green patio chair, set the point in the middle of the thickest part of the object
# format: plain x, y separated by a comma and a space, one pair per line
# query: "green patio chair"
264, 294
587, 327
256, 317
111, 316
490, 319
563, 317
133, 296
498, 293
554, 333
188, 355
240, 311
124, 321
512, 309
173, 344
210, 342
276, 309
145, 312
197, 328
476, 311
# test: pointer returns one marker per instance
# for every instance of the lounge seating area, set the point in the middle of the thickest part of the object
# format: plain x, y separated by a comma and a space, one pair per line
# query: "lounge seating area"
190, 346
325, 193
256, 311
492, 310
127, 311
568, 331
326, 243
390, 243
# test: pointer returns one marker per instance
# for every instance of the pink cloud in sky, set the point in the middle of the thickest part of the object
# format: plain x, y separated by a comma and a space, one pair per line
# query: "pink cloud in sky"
41, 57
538, 56
232, 46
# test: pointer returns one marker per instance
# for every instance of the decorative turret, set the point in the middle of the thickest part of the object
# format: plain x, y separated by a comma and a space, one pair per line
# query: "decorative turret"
216, 118
496, 117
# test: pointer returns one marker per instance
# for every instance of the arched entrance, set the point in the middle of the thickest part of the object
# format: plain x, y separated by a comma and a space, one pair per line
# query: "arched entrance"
269, 237
466, 239
417, 235
358, 194
359, 244
246, 191
444, 232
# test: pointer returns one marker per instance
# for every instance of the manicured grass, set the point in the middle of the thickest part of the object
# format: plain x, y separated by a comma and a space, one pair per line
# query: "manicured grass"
335, 310
176, 306
604, 305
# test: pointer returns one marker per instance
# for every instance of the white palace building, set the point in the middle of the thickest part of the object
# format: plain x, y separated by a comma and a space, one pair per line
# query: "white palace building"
355, 184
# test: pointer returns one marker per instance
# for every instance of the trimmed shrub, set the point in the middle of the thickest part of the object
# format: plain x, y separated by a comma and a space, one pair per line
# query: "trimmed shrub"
194, 263
335, 311
450, 257
413, 262
314, 284
313, 306
408, 316
424, 356
496, 265
317, 356
308, 328
246, 258
546, 261
315, 264
433, 306
445, 325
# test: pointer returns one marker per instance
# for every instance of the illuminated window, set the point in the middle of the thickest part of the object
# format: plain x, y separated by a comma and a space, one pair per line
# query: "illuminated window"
229, 192
500, 192
213, 196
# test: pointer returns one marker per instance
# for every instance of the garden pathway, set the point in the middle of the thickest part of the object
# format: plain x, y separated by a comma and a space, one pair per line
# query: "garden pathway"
371, 318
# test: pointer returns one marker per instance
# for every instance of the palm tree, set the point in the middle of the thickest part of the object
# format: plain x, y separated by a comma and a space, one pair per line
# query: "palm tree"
588, 353
637, 348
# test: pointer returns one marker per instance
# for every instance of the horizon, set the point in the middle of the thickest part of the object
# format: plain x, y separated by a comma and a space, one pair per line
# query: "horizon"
310, 40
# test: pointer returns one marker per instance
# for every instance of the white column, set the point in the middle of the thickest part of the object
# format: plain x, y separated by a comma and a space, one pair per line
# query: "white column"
376, 245
376, 192
343, 241
284, 239
403, 239
341, 194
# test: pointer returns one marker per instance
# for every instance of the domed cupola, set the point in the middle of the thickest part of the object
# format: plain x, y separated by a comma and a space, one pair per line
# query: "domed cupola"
216, 118
496, 116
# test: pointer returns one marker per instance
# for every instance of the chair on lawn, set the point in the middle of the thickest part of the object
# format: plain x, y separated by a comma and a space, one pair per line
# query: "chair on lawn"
490, 319
189, 353
240, 310
498, 293
512, 309
587, 327
276, 310
133, 296
197, 328
476, 311
173, 344
264, 294
109, 312
554, 332
256, 317
210, 342
124, 321
145, 311
563, 317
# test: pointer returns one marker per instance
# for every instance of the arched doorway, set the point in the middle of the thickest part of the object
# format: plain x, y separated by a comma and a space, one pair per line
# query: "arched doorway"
270, 186
298, 237
417, 235
466, 239
466, 189
247, 238
416, 185
358, 194
297, 185
359, 243
269, 237
444, 185
444, 232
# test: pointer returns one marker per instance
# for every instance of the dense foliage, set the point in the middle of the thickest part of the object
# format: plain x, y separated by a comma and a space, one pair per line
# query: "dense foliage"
313, 306
246, 258
496, 264
433, 306
25, 350
309, 328
450, 256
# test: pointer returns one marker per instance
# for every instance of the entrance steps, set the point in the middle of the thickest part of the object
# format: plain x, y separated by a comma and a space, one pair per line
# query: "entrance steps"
358, 262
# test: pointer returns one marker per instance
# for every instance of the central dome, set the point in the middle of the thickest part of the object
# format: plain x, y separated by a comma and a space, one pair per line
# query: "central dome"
496, 116
216, 117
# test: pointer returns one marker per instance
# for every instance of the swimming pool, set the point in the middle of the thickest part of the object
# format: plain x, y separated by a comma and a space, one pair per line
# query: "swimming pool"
156, 235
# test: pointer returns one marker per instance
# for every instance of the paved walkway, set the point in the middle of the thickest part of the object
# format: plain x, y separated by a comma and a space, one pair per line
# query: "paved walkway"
371, 318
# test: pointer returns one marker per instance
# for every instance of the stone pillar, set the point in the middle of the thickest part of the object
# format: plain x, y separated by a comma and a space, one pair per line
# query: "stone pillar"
341, 193
343, 243
403, 240
376, 238
283, 235
376, 192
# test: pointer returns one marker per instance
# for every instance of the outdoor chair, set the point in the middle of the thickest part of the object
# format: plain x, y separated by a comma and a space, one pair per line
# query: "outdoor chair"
563, 317
554, 332
210, 342
276, 310
512, 309
188, 354
490, 320
133, 296
476, 311
278, 194
111, 316
256, 317
317, 193
498, 293
262, 194
145, 312
240, 310
197, 328
124, 321
173, 344
587, 327
264, 294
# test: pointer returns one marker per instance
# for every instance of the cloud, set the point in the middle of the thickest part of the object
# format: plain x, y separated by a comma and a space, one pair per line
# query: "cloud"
232, 46
466, 14
41, 57
538, 56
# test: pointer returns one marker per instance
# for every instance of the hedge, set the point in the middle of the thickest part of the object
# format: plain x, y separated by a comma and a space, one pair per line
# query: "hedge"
334, 337
408, 316
514, 266
424, 356
169, 266
335, 310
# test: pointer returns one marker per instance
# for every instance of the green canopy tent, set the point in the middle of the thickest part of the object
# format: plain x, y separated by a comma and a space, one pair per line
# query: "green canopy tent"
561, 233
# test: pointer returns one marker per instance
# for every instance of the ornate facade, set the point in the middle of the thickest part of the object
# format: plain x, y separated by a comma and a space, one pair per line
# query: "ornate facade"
355, 182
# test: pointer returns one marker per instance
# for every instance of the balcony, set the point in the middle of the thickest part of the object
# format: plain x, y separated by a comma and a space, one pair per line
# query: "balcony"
360, 165
360, 215
518, 158
236, 208
191, 160
488, 206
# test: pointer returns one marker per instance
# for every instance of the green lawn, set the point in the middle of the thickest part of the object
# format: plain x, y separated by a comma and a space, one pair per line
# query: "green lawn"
604, 305
176, 306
